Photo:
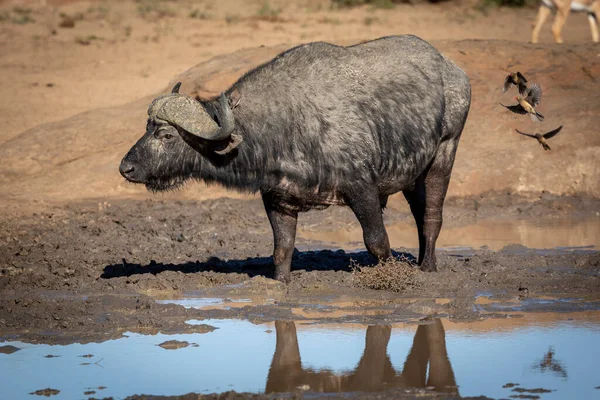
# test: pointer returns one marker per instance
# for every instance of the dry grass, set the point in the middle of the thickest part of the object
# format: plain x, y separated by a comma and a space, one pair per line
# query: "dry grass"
396, 275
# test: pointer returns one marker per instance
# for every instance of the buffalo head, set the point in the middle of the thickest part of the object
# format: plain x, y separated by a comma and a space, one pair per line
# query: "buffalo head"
180, 130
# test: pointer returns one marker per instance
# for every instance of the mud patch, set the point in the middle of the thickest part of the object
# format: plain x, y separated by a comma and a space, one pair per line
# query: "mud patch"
175, 344
8, 349
537, 390
89, 318
46, 392
395, 275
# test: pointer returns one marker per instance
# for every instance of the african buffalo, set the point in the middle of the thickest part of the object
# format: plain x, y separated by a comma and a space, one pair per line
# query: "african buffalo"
320, 125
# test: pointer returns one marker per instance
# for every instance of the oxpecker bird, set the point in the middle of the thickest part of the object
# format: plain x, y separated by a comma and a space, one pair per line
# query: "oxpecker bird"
542, 137
527, 105
515, 79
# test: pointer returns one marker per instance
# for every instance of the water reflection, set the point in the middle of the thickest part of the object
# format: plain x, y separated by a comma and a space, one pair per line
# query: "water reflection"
374, 371
537, 234
549, 364
537, 351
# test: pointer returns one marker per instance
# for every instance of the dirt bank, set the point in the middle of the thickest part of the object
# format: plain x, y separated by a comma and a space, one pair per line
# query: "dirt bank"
76, 158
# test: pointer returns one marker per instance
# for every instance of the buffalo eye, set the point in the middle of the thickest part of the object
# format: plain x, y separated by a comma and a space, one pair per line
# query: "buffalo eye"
163, 133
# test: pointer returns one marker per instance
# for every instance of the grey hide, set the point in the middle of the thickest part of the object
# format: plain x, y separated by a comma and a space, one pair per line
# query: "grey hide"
321, 125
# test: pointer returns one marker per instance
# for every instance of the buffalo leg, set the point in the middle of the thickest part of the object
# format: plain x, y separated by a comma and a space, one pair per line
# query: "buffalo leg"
426, 201
367, 208
436, 186
416, 200
283, 223
383, 199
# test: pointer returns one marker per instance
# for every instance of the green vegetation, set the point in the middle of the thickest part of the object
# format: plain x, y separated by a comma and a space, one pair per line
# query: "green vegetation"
197, 14
385, 4
484, 5
87, 40
232, 18
327, 20
155, 8
368, 21
18, 15
100, 10
267, 11
509, 3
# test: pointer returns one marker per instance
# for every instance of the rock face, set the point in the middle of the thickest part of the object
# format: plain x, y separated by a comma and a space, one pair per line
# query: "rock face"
78, 158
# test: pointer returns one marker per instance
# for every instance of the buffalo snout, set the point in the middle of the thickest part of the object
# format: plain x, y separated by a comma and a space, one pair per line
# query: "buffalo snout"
126, 169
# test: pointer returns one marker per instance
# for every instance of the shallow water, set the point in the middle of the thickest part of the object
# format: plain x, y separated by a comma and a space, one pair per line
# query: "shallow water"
557, 352
537, 234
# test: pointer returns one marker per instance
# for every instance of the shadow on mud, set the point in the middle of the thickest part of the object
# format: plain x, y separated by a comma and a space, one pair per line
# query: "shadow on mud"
322, 260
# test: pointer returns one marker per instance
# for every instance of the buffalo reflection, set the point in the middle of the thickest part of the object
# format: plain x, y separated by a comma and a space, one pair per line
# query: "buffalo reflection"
374, 371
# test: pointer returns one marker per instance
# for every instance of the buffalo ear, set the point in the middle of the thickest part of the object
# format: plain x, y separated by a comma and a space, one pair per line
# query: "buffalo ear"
227, 146
234, 98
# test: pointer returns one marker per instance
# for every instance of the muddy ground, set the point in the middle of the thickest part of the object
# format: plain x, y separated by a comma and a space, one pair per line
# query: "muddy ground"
90, 271
84, 255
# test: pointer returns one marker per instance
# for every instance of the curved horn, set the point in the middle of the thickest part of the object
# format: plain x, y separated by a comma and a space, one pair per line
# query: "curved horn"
176, 87
189, 114
226, 119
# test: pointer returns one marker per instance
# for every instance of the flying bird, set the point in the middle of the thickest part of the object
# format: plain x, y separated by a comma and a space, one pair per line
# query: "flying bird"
527, 105
515, 79
542, 138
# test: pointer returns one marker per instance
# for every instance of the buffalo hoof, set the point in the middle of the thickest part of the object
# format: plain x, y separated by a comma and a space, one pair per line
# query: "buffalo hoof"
428, 267
282, 277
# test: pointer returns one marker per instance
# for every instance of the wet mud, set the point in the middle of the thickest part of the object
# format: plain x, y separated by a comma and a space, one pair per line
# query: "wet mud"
89, 272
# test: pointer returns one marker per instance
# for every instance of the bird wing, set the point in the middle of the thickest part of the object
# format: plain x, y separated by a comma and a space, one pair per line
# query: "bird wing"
552, 133
534, 94
522, 89
516, 109
526, 134
507, 84
521, 77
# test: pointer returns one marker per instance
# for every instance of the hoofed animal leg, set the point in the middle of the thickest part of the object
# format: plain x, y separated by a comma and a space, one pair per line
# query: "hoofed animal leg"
593, 20
367, 207
283, 224
416, 200
436, 179
542, 16
559, 21
436, 185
